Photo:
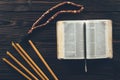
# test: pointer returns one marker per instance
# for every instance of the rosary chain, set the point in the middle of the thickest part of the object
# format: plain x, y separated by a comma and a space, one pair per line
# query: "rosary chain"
55, 15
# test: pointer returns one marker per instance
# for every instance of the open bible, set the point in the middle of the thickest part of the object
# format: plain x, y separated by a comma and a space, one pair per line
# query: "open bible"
80, 39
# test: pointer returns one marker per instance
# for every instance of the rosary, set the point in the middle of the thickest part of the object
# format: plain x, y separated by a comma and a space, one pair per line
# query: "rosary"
56, 14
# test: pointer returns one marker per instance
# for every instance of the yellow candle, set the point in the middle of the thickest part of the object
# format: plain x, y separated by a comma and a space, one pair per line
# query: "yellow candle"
30, 59
21, 65
43, 60
27, 61
8, 62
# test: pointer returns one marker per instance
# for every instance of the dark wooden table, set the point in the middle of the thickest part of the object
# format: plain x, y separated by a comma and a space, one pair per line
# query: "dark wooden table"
16, 18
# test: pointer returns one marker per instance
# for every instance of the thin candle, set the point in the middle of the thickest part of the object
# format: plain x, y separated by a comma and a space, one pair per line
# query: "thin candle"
27, 61
43, 60
30, 59
21, 65
8, 62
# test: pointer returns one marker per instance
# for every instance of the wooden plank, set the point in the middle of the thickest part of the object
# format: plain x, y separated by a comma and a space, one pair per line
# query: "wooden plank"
36, 5
14, 25
18, 23
25, 19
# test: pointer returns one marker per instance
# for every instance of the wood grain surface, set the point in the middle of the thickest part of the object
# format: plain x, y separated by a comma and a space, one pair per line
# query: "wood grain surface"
17, 17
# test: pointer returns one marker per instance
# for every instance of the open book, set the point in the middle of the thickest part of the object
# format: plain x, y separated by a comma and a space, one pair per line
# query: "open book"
77, 38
